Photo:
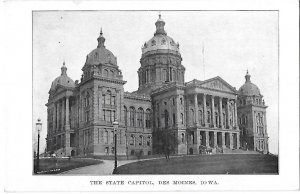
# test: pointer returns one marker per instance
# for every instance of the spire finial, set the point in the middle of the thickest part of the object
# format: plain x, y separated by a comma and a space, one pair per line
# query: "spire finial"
101, 39
64, 69
160, 24
247, 76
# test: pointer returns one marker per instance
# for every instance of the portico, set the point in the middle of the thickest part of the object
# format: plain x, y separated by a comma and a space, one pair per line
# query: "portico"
212, 115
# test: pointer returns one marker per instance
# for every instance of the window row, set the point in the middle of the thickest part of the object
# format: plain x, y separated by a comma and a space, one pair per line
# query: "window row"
140, 140
136, 118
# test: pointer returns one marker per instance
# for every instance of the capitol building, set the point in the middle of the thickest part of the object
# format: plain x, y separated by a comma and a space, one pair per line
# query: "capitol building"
164, 110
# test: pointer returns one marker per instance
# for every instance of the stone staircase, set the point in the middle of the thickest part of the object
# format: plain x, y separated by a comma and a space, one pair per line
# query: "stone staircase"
238, 151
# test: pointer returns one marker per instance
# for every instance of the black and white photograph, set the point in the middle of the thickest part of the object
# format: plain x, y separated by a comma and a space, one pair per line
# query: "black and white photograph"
144, 98
155, 92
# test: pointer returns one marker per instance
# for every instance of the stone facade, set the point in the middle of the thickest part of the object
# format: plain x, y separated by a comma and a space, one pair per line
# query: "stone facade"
165, 111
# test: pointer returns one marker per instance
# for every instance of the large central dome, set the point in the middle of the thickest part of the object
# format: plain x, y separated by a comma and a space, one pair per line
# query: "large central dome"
160, 41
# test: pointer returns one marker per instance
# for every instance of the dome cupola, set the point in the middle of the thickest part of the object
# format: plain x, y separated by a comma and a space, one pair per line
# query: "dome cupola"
248, 88
160, 24
101, 55
63, 80
160, 42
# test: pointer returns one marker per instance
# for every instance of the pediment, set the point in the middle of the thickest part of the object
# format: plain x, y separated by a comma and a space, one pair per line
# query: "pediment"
218, 83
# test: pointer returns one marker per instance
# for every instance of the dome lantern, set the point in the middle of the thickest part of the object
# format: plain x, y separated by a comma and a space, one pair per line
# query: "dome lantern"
247, 77
64, 69
101, 40
160, 24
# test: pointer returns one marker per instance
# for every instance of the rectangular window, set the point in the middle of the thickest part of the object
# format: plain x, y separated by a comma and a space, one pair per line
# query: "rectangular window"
113, 99
108, 115
106, 137
98, 135
112, 137
113, 116
104, 118
103, 99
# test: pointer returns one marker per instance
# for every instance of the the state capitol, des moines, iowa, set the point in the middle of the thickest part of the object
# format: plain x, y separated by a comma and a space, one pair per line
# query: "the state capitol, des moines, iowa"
164, 110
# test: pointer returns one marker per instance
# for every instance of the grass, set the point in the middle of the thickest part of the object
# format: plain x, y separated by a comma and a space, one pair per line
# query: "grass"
58, 165
206, 164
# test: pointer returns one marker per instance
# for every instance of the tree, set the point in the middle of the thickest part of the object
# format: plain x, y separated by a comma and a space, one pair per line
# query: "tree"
165, 142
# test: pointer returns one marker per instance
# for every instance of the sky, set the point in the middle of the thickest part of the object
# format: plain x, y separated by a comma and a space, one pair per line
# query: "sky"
233, 42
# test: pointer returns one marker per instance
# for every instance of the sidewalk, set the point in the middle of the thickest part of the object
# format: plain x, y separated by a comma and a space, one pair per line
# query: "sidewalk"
104, 168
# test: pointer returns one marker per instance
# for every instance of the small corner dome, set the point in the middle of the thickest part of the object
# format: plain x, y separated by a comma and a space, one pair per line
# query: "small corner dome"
160, 40
248, 88
101, 55
63, 80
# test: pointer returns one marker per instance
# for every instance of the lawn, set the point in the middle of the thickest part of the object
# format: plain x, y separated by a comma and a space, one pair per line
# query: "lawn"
206, 164
58, 165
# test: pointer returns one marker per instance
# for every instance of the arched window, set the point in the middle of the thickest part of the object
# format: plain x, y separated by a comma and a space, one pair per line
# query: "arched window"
153, 43
148, 116
224, 119
141, 139
112, 73
131, 142
105, 73
216, 118
125, 115
140, 117
132, 116
208, 117
149, 141
181, 118
182, 137
166, 118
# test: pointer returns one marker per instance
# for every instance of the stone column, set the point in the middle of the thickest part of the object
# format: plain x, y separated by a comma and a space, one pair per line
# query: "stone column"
227, 113
223, 140
204, 109
235, 114
207, 138
67, 112
238, 140
231, 140
63, 108
187, 116
67, 127
221, 112
215, 139
196, 109
265, 124
57, 117
54, 118
213, 111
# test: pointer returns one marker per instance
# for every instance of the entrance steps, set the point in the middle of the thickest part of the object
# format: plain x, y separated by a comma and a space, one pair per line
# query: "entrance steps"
238, 151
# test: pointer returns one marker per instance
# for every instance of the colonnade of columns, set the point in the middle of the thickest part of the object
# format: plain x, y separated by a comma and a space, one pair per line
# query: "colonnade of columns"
61, 118
213, 138
230, 114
